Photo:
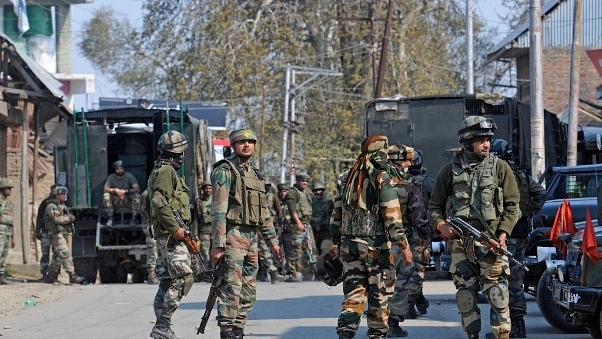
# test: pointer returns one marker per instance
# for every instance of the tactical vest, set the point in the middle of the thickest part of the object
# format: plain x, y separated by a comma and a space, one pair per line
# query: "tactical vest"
7, 214
522, 180
476, 195
269, 196
321, 212
304, 206
204, 206
179, 201
357, 222
247, 203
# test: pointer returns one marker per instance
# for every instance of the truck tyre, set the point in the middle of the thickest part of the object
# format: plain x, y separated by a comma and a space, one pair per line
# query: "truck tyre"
112, 274
552, 313
87, 268
594, 327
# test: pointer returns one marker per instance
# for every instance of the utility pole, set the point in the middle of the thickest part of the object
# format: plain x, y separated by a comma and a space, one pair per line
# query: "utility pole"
538, 151
469, 49
289, 121
383, 53
571, 152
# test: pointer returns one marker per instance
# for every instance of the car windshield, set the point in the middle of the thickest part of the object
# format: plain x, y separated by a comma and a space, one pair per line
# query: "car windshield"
576, 186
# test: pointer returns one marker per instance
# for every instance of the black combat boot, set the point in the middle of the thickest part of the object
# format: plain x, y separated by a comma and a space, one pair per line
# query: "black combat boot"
50, 278
346, 335
422, 304
227, 333
518, 328
4, 281
238, 333
475, 335
76, 279
162, 330
395, 331
412, 314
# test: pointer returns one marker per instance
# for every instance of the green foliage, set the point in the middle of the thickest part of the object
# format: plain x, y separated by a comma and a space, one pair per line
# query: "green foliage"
237, 51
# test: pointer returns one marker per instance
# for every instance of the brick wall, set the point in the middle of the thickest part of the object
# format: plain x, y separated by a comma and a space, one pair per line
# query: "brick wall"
556, 78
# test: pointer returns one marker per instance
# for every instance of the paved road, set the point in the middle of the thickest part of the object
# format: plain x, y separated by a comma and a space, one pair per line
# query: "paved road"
283, 311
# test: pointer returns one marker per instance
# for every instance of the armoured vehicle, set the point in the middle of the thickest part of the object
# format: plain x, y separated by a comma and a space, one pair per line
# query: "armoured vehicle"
95, 140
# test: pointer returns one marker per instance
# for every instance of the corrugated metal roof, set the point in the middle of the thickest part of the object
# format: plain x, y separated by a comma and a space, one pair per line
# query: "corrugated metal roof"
47, 80
557, 28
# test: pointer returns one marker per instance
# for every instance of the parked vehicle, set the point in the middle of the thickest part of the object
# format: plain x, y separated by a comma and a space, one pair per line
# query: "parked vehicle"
575, 288
94, 141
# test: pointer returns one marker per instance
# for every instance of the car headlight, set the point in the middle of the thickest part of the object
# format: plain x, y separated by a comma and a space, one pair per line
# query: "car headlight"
560, 272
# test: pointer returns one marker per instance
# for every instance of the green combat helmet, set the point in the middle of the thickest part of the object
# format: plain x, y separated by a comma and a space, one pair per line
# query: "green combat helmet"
318, 185
302, 176
476, 126
172, 142
242, 134
417, 160
6, 183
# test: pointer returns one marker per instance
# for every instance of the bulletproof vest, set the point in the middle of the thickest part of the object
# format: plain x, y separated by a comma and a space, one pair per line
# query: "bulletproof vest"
357, 222
321, 211
419, 180
522, 180
475, 195
285, 215
304, 207
247, 203
7, 216
205, 211
179, 201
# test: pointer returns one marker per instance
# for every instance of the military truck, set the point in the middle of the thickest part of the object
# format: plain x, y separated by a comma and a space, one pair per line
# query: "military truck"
94, 141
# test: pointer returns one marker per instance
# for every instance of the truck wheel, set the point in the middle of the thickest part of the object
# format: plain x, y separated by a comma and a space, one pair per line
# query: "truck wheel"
594, 327
139, 276
552, 313
87, 268
113, 274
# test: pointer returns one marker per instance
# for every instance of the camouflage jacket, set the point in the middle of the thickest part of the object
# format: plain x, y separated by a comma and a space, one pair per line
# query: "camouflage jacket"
388, 217
7, 216
56, 218
223, 179
299, 201
204, 207
167, 192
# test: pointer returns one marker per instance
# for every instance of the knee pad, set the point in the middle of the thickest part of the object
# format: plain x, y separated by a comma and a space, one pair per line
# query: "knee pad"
498, 296
466, 300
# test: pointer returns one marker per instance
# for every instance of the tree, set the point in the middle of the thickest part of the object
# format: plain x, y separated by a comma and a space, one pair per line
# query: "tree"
237, 51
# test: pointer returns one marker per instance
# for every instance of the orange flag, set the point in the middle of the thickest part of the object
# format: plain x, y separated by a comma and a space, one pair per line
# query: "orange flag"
558, 225
589, 244
569, 223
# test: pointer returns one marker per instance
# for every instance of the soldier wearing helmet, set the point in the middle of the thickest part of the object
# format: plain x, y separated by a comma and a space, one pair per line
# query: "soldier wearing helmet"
408, 287
239, 211
298, 202
203, 204
7, 241
42, 231
58, 221
121, 190
168, 193
481, 189
321, 210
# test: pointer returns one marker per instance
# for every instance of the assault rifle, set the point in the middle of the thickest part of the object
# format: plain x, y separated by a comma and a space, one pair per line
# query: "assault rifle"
463, 227
219, 274
192, 243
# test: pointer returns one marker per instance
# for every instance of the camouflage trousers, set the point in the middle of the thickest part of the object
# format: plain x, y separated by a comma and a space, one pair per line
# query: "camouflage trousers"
238, 293
61, 253
205, 249
175, 276
518, 303
5, 241
474, 267
410, 279
45, 246
112, 201
265, 255
369, 274
302, 253
151, 247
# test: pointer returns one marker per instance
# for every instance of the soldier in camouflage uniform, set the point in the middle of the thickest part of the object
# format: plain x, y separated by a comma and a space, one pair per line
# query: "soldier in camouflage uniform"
285, 237
532, 198
121, 190
151, 243
365, 221
321, 207
298, 202
205, 223
42, 232
408, 288
239, 211
7, 241
480, 189
57, 220
168, 196
266, 261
